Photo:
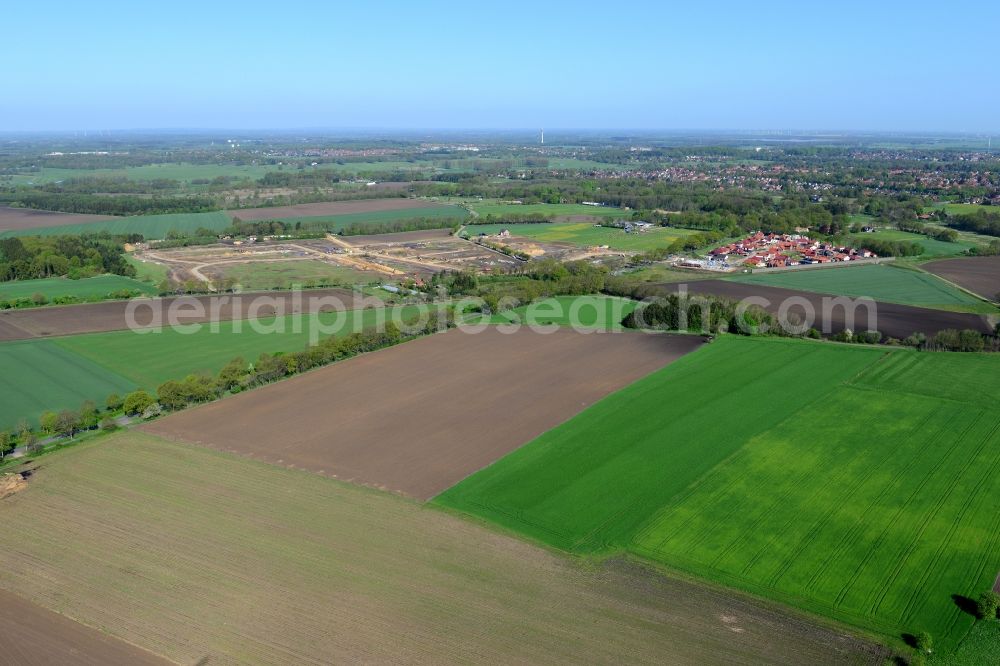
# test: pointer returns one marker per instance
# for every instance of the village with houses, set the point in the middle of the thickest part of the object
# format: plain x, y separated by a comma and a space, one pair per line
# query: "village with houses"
760, 250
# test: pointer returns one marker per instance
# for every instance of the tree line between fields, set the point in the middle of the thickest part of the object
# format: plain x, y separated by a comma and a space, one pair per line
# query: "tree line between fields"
236, 376
38, 299
713, 314
701, 313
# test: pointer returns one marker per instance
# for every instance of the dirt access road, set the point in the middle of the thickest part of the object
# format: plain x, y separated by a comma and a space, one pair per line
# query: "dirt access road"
421, 416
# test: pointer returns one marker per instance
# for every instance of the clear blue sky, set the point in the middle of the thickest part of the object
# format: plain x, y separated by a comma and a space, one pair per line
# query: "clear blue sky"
684, 65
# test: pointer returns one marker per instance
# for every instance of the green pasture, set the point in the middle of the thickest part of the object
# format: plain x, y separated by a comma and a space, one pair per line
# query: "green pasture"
148, 271
855, 483
92, 287
932, 247
585, 234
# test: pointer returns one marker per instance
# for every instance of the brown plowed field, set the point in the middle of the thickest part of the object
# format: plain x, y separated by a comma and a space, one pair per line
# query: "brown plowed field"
980, 275
111, 315
893, 320
419, 417
28, 218
330, 208
33, 635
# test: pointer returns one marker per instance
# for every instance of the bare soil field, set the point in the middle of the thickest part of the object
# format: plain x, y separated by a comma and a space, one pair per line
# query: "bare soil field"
415, 254
28, 218
330, 208
33, 636
419, 417
980, 275
111, 315
893, 320
209, 263
208, 558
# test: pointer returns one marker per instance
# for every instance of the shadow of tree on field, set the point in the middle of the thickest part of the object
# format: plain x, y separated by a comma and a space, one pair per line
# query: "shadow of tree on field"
965, 604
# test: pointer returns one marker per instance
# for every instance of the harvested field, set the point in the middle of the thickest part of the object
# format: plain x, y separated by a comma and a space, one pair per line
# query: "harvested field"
33, 635
332, 208
28, 218
980, 275
111, 316
893, 320
207, 558
462, 401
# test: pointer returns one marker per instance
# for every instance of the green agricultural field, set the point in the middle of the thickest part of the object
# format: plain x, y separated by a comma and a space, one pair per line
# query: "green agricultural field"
796, 471
262, 275
180, 172
150, 226
40, 375
149, 359
447, 215
602, 312
499, 209
585, 234
48, 374
93, 287
981, 646
883, 282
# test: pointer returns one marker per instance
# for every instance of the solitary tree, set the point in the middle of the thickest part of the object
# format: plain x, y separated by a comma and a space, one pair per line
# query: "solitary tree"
987, 605
924, 642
